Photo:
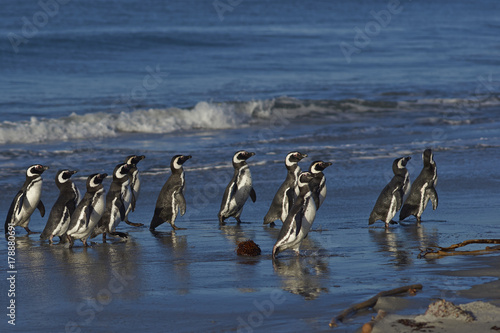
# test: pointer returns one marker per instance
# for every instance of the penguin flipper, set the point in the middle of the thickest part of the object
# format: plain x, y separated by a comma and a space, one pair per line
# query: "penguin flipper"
433, 196
253, 195
181, 203
41, 208
13, 207
290, 196
122, 211
132, 201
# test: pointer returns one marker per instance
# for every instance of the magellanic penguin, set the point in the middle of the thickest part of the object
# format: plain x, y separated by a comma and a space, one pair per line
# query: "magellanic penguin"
288, 191
134, 187
299, 220
26, 200
239, 188
89, 210
116, 205
171, 199
65, 205
391, 197
318, 184
422, 190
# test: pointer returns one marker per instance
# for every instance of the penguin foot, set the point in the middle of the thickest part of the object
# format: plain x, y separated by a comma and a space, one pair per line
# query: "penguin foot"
134, 224
177, 228
30, 232
393, 222
272, 225
238, 220
120, 234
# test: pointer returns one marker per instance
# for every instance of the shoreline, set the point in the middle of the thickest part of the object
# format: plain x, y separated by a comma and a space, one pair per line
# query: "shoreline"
476, 310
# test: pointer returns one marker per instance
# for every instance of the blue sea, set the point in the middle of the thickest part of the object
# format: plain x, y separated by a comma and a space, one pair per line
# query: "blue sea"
357, 83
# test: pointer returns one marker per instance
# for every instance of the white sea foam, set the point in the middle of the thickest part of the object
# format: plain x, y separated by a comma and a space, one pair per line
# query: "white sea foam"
204, 115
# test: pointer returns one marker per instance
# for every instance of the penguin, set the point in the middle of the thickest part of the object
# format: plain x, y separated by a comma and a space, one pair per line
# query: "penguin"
318, 184
171, 200
60, 214
391, 197
299, 220
287, 192
239, 188
26, 200
135, 185
422, 190
89, 210
114, 211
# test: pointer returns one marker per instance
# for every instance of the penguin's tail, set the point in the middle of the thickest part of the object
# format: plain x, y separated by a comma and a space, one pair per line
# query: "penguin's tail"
269, 219
405, 212
156, 221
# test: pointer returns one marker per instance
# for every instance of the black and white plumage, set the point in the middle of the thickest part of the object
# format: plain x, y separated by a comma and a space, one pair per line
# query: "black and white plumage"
422, 190
134, 187
288, 191
318, 184
88, 211
65, 205
239, 188
171, 199
26, 200
116, 204
299, 220
391, 198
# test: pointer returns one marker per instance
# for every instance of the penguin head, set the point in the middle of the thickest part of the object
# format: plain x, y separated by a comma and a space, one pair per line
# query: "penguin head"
178, 160
318, 166
94, 181
304, 179
63, 176
241, 156
121, 171
428, 157
134, 159
294, 157
35, 170
400, 164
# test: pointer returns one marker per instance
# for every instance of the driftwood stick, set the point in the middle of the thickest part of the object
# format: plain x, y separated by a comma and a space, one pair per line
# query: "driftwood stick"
470, 241
450, 250
370, 303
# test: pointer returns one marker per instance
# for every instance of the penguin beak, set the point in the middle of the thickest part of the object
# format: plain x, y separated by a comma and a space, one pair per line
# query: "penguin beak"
325, 165
45, 168
102, 176
250, 155
276, 250
73, 172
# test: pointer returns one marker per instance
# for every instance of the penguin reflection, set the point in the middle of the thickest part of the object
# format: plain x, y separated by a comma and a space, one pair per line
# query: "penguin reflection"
178, 252
387, 240
303, 276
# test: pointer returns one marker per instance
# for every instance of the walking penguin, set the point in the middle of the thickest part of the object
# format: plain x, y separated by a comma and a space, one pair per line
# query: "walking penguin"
134, 187
26, 200
89, 210
287, 192
299, 220
391, 197
318, 184
171, 199
422, 190
65, 205
116, 205
239, 188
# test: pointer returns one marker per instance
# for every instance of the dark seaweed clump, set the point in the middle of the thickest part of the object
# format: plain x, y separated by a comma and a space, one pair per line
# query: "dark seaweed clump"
248, 248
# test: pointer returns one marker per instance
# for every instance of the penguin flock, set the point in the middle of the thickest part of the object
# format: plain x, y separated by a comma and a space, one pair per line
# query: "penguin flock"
295, 203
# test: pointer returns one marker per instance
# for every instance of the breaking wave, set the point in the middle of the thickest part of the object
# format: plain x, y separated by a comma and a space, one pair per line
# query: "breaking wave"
210, 115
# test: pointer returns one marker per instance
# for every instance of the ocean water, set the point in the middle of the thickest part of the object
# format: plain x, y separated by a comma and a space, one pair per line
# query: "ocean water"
356, 83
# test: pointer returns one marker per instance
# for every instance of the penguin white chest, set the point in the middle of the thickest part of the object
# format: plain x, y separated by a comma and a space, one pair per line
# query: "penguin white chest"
244, 184
33, 193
